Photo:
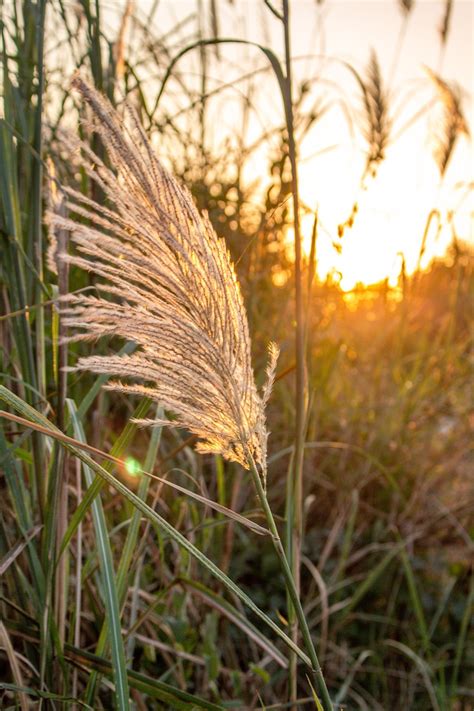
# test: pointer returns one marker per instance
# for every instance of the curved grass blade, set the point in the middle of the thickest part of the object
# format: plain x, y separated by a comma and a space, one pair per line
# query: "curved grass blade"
270, 55
14, 666
19, 546
238, 619
345, 447
369, 581
162, 691
27, 691
422, 667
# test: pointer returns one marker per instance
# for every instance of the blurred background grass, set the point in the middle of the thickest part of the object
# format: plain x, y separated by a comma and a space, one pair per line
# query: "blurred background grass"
386, 571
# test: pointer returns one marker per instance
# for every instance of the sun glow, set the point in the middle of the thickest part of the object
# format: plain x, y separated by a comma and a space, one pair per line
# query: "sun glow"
392, 227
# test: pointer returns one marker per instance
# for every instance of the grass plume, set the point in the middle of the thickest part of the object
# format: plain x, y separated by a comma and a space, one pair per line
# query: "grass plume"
179, 298
180, 302
452, 123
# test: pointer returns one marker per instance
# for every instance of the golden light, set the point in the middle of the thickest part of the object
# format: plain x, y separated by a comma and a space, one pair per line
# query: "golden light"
392, 215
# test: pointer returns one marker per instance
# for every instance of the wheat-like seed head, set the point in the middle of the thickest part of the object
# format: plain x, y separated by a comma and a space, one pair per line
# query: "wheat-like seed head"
451, 124
168, 285
377, 119
446, 21
406, 6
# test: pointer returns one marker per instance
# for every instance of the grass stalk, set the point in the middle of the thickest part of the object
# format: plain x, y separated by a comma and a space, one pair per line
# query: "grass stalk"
291, 587
16, 188
462, 636
37, 239
109, 581
295, 517
78, 586
120, 576
37, 186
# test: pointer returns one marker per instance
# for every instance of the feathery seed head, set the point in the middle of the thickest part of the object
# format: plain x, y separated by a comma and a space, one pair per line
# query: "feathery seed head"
175, 289
377, 118
451, 121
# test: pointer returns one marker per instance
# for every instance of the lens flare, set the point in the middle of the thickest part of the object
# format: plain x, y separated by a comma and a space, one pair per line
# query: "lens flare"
132, 467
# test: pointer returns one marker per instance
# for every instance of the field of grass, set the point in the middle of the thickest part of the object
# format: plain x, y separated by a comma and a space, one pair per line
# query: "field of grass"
119, 590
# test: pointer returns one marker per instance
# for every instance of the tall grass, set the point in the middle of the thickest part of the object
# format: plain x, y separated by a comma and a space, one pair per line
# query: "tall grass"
124, 590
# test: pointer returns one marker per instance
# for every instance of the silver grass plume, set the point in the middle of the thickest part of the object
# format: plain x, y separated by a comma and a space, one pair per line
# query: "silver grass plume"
175, 290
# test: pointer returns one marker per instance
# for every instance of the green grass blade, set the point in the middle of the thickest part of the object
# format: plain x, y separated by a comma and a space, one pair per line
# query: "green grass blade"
120, 444
132, 534
461, 641
123, 572
16, 486
422, 667
441, 607
415, 599
109, 583
369, 581
228, 610
88, 499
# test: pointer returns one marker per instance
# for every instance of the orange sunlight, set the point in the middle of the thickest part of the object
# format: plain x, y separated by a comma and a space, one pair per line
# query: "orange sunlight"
392, 214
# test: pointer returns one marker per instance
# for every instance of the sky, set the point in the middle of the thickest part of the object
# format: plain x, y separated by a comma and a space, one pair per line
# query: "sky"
394, 206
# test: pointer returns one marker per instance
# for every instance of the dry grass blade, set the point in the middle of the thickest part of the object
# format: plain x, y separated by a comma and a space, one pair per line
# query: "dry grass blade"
5, 642
119, 46
178, 293
19, 546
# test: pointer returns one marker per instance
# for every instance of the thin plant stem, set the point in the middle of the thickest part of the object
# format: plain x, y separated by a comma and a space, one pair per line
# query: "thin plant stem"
316, 670
62, 461
295, 510
37, 197
78, 587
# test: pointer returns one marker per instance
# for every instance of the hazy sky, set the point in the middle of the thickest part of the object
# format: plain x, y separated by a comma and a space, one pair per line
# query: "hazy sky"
394, 208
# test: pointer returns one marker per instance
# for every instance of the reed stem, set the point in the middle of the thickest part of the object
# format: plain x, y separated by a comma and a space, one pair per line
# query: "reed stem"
295, 504
316, 670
